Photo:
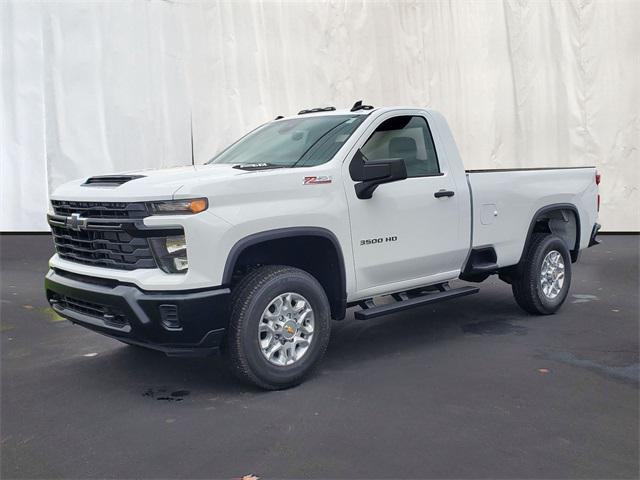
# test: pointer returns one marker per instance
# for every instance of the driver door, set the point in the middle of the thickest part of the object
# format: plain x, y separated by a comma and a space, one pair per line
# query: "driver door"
407, 234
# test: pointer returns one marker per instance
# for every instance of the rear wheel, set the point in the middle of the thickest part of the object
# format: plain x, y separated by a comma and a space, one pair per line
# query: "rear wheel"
279, 327
545, 279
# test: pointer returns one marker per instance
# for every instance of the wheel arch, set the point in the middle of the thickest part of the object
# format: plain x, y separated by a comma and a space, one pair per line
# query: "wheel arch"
546, 217
287, 246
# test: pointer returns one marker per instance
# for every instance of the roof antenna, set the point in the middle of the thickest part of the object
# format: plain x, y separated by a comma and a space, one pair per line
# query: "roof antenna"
193, 158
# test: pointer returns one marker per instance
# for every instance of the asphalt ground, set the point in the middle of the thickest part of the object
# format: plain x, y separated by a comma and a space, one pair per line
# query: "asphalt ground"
472, 388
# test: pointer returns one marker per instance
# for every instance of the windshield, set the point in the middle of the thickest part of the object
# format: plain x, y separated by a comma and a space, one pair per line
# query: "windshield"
295, 142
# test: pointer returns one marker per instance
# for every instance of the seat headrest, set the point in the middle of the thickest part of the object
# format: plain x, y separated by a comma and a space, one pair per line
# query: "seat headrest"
403, 147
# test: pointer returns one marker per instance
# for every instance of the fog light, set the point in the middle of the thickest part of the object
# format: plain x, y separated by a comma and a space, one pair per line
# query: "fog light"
171, 253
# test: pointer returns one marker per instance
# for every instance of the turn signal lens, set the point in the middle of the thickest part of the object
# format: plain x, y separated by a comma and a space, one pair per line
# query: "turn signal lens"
198, 205
179, 207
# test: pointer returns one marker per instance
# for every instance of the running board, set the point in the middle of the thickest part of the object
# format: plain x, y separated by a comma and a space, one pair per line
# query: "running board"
372, 311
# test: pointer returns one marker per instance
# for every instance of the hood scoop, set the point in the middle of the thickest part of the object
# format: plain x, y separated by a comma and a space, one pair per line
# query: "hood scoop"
109, 180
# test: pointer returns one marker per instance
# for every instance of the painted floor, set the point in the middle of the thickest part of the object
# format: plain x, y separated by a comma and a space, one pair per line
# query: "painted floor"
473, 388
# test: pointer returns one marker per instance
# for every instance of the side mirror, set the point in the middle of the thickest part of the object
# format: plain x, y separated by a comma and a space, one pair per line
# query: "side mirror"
371, 173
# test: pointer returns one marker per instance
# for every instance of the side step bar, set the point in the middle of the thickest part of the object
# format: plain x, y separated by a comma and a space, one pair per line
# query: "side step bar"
370, 311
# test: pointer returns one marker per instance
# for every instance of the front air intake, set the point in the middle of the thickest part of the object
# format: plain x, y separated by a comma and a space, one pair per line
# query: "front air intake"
109, 180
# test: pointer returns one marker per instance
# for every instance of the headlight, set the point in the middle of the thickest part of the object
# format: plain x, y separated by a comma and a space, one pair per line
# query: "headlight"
171, 253
179, 207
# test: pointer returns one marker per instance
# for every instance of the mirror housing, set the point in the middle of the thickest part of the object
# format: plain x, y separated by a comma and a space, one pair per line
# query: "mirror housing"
371, 173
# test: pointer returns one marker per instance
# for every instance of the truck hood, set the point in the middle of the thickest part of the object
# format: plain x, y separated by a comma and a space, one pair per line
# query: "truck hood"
159, 184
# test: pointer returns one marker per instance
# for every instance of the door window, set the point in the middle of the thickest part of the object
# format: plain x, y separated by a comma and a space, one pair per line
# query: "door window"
406, 137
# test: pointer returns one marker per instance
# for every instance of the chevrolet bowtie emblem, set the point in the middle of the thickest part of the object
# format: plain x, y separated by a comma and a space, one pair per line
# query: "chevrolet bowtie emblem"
76, 223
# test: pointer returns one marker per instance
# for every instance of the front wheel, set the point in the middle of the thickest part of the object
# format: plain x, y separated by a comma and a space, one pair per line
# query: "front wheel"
544, 282
279, 327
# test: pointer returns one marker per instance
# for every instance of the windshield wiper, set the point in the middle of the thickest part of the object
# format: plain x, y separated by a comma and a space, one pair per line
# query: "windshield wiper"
258, 166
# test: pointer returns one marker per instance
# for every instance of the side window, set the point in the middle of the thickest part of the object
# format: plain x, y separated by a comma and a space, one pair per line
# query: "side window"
405, 137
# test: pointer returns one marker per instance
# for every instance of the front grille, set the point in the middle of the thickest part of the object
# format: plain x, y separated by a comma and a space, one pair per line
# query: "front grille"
108, 245
110, 316
101, 209
111, 249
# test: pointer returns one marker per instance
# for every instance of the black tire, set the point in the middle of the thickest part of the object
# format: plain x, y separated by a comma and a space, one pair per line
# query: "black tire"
527, 289
250, 298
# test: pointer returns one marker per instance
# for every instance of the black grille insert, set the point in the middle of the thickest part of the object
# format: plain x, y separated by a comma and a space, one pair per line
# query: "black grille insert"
101, 240
101, 209
111, 249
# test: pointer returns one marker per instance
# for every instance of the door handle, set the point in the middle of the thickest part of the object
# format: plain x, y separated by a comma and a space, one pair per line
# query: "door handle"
444, 193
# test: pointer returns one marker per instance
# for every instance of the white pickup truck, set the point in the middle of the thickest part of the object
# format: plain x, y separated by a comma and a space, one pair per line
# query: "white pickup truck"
254, 252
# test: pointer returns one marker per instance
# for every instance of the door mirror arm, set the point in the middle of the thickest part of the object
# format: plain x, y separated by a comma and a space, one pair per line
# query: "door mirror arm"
371, 173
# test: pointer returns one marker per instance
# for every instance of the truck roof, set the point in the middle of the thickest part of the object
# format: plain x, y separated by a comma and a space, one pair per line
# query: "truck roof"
346, 111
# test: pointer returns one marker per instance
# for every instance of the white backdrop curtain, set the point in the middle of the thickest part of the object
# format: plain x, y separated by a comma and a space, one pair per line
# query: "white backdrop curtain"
93, 87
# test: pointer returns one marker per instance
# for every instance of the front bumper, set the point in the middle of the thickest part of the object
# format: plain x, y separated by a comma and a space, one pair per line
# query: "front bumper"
177, 323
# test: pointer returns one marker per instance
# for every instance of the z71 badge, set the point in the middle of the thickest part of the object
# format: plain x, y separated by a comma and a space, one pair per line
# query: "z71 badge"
374, 241
320, 180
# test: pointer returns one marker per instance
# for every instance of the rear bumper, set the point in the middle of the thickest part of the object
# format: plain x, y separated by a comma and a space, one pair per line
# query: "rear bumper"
177, 323
592, 240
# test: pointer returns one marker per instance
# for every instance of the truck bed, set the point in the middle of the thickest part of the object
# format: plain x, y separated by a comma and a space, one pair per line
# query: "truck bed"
505, 201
